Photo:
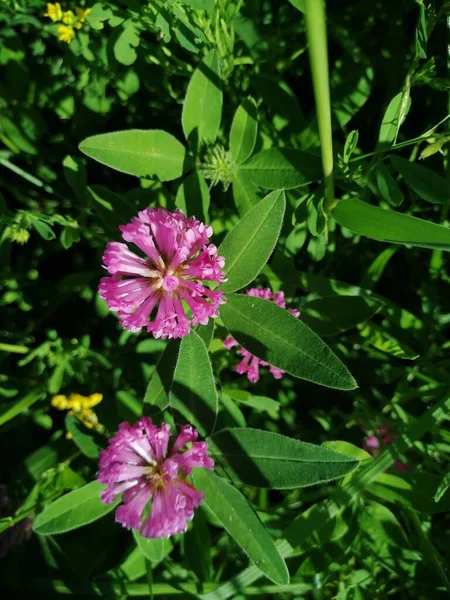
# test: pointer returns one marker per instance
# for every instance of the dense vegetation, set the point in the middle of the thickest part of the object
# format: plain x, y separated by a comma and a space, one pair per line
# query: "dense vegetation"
331, 449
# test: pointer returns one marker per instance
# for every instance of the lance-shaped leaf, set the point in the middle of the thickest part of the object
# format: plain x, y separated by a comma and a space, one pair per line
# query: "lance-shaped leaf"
202, 108
272, 334
393, 118
193, 391
113, 209
269, 460
238, 518
244, 130
149, 153
413, 491
334, 314
160, 384
73, 510
427, 184
193, 196
278, 168
389, 226
244, 193
249, 245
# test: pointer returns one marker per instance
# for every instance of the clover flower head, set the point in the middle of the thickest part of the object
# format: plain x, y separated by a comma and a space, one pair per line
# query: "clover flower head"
139, 465
154, 290
250, 363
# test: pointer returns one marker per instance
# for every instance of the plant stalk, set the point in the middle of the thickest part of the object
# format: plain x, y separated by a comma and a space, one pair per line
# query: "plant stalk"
316, 34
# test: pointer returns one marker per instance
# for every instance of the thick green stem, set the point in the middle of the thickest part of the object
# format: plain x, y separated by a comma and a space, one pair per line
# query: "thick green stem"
318, 55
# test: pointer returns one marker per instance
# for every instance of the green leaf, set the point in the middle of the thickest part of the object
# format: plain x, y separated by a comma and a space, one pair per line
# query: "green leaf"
278, 168
347, 449
197, 547
44, 230
244, 130
427, 184
259, 403
334, 314
238, 518
414, 491
276, 336
76, 177
132, 568
158, 389
444, 485
149, 153
244, 193
113, 209
57, 377
383, 536
388, 187
126, 42
383, 341
6, 523
393, 118
153, 549
193, 391
376, 269
351, 144
73, 510
389, 226
19, 406
83, 440
206, 332
193, 196
250, 243
300, 4
207, 5
202, 108
268, 460
68, 236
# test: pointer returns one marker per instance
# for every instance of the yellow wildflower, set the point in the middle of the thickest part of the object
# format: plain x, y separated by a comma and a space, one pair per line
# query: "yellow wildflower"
69, 20
54, 12
66, 33
60, 402
68, 17
82, 14
81, 407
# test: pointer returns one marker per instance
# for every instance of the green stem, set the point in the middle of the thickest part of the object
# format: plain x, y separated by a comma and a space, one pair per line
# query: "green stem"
318, 55
13, 348
25, 175
410, 142
149, 569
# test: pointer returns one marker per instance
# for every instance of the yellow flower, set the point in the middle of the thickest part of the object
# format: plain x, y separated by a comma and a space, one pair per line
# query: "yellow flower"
81, 407
66, 33
82, 14
60, 402
54, 12
68, 17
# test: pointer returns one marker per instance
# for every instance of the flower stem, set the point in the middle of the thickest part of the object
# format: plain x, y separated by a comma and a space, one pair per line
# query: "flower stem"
318, 56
